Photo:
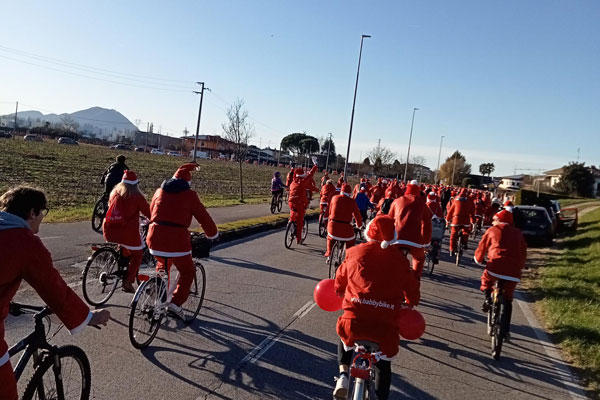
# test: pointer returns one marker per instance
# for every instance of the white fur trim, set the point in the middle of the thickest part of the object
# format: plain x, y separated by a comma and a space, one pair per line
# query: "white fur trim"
4, 359
140, 247
213, 237
408, 243
509, 209
347, 194
478, 262
79, 328
504, 277
169, 253
130, 182
339, 238
414, 182
385, 244
300, 176
464, 225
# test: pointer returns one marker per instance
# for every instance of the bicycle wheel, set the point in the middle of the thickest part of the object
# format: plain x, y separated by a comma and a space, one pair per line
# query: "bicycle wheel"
279, 203
428, 269
497, 334
273, 205
74, 374
304, 231
192, 306
99, 280
459, 249
98, 215
290, 234
144, 318
332, 259
322, 226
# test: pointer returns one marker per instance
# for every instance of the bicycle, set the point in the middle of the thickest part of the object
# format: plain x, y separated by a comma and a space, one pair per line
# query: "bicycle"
149, 307
432, 257
323, 220
290, 233
362, 370
497, 325
336, 257
276, 203
107, 266
460, 245
477, 226
100, 209
59, 372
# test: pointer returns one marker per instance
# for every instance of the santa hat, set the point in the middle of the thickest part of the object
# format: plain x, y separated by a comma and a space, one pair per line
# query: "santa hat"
185, 172
463, 193
413, 188
129, 177
299, 173
389, 193
508, 203
431, 197
381, 229
346, 190
504, 217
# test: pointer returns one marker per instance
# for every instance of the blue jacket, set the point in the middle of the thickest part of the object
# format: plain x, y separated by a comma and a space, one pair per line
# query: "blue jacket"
362, 201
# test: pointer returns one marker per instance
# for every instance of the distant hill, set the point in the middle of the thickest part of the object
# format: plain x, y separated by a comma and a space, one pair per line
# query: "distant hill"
94, 122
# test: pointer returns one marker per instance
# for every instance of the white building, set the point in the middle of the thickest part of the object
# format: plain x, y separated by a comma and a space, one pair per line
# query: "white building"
513, 182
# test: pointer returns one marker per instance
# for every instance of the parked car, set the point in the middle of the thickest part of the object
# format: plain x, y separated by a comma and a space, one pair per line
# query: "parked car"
66, 140
173, 153
120, 146
33, 138
556, 206
535, 224
157, 151
5, 135
139, 149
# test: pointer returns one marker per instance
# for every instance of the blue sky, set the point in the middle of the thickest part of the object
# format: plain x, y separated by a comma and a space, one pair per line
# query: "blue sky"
516, 83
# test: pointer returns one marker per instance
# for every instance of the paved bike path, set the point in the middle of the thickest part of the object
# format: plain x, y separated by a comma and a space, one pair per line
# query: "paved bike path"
260, 336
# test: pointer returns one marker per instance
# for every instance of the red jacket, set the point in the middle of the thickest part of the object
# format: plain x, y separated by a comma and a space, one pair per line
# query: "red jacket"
436, 208
377, 194
289, 178
479, 207
327, 193
298, 189
506, 252
412, 218
23, 256
341, 210
126, 231
172, 209
460, 211
374, 283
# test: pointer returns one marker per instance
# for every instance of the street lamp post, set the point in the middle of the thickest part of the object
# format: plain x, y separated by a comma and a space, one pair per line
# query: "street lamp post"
437, 170
353, 104
454, 168
409, 140
201, 93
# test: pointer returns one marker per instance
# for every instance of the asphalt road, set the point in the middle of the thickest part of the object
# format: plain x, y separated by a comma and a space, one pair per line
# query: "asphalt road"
259, 335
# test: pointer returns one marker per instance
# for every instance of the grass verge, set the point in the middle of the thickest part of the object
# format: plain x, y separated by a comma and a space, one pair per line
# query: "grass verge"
272, 220
568, 290
571, 202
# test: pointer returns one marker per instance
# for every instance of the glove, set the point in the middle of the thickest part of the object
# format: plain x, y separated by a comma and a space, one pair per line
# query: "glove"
314, 160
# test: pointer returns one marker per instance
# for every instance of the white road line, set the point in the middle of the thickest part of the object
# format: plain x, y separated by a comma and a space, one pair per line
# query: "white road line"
51, 237
567, 378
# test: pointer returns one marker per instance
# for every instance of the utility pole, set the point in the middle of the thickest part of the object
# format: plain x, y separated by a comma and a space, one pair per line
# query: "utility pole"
279, 154
201, 93
147, 134
259, 146
359, 162
454, 168
437, 170
578, 150
328, 151
409, 140
16, 111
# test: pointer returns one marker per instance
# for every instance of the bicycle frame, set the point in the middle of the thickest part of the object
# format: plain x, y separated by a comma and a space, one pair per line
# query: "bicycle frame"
166, 290
362, 371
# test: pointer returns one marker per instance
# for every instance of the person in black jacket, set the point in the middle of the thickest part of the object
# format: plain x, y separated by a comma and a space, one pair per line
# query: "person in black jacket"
113, 174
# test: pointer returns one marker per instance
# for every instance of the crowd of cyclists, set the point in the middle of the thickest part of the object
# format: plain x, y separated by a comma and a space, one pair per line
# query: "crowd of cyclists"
376, 279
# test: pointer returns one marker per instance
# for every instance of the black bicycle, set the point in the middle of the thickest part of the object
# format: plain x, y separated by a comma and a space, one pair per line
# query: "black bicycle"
460, 243
276, 203
59, 372
336, 257
107, 266
323, 220
290, 233
100, 209
432, 257
497, 323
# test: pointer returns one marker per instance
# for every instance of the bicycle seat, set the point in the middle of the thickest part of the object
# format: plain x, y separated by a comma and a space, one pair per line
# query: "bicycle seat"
370, 347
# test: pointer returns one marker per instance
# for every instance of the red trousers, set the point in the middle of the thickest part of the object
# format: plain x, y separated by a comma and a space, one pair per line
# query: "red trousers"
297, 216
454, 235
487, 283
8, 384
135, 260
418, 260
187, 271
330, 241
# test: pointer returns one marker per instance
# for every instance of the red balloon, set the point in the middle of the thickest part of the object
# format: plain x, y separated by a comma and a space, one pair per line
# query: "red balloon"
325, 296
411, 323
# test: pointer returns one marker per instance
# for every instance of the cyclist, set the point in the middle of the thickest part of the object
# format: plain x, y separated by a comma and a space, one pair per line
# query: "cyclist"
172, 208
377, 192
492, 210
277, 185
506, 252
122, 224
363, 203
113, 174
324, 178
459, 215
312, 188
413, 224
290, 177
434, 205
327, 193
298, 202
363, 182
23, 256
374, 279
479, 210
341, 211
386, 203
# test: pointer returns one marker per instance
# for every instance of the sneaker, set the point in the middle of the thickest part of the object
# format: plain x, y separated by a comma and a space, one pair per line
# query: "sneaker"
341, 387
485, 307
128, 287
177, 311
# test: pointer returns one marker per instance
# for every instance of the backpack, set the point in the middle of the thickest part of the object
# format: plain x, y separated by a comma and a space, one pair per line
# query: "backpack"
385, 206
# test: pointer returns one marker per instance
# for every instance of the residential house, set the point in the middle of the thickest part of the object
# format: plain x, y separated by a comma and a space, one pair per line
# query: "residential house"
552, 178
511, 183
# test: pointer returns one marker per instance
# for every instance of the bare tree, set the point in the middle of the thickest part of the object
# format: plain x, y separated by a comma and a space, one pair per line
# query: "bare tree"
238, 131
385, 155
68, 124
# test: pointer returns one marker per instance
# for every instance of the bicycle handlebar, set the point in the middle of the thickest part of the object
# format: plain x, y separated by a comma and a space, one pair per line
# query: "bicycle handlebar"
17, 309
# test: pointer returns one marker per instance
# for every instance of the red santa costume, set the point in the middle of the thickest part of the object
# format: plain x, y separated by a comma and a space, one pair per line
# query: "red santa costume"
413, 224
327, 193
297, 200
290, 177
459, 215
375, 279
23, 256
122, 224
479, 211
434, 205
341, 211
172, 209
506, 252
377, 192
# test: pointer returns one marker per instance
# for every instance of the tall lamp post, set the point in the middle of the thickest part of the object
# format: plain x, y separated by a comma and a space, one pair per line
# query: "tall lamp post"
437, 170
409, 140
201, 93
362, 37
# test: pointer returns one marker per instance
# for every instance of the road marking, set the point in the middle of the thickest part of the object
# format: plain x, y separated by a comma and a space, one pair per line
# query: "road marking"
567, 379
51, 237
255, 354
